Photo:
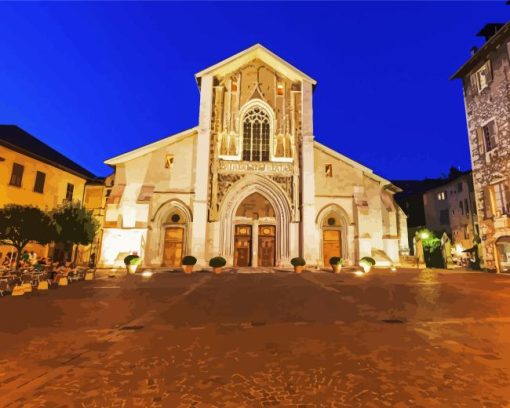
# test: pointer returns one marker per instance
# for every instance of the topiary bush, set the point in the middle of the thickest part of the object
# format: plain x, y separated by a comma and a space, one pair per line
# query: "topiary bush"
132, 260
189, 260
298, 261
217, 262
367, 260
336, 260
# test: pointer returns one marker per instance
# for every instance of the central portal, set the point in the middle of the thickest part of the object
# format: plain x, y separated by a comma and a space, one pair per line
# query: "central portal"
255, 232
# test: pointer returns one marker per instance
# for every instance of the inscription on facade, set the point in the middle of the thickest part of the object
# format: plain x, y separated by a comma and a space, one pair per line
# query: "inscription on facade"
259, 167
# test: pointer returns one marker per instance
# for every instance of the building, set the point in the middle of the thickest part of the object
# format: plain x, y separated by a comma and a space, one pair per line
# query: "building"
33, 173
450, 207
410, 199
487, 100
249, 183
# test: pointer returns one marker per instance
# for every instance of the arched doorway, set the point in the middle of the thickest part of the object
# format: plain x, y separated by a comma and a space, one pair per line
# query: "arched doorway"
332, 221
255, 232
174, 239
503, 248
271, 193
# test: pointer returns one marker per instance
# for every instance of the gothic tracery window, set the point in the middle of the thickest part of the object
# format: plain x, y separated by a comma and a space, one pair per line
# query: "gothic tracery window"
256, 135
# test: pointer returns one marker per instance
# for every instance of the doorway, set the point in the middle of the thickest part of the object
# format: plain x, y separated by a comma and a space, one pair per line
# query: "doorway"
267, 245
331, 245
172, 253
242, 245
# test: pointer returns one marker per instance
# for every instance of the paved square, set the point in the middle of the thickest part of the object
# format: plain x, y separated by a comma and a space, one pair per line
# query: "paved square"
402, 339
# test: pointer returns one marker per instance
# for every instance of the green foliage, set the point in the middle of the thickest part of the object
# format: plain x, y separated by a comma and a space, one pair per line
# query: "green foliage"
75, 224
298, 261
217, 262
367, 260
132, 260
20, 224
429, 240
335, 260
189, 260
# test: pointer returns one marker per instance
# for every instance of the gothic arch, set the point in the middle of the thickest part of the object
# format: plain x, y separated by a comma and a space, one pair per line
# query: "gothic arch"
161, 220
276, 197
266, 110
337, 212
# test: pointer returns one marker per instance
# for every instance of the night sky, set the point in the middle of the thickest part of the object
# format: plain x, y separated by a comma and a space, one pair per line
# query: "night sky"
95, 80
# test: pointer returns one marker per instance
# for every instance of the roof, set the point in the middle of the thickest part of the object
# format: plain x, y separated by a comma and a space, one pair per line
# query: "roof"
412, 187
483, 52
256, 51
368, 172
15, 138
143, 150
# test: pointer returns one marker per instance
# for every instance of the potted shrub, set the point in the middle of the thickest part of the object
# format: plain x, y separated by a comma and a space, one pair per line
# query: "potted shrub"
188, 262
217, 263
298, 263
132, 262
336, 263
366, 263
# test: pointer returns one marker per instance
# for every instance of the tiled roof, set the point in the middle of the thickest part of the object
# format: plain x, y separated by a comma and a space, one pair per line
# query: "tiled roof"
15, 138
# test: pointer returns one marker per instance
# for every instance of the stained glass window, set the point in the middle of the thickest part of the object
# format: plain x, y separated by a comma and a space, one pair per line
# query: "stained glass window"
256, 135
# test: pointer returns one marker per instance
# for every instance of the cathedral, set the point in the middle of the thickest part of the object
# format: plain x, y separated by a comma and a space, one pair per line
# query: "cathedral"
250, 183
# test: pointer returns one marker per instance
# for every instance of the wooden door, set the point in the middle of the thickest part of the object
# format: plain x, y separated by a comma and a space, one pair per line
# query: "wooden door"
172, 253
242, 245
331, 245
267, 245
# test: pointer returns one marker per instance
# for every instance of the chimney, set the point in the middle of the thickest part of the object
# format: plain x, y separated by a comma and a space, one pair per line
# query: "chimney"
474, 50
489, 30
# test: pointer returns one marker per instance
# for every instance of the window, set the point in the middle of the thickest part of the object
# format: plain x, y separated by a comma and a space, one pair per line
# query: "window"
441, 196
256, 135
169, 161
482, 77
16, 175
444, 218
328, 170
40, 178
489, 136
459, 187
466, 206
461, 207
279, 88
502, 197
69, 192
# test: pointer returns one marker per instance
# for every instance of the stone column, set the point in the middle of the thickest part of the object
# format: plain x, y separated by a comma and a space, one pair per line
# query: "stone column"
200, 207
309, 244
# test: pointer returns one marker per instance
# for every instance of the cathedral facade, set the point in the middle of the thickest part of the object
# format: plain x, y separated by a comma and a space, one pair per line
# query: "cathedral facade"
249, 183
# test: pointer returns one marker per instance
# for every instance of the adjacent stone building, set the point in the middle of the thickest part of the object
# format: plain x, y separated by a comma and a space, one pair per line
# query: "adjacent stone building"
450, 207
249, 183
486, 82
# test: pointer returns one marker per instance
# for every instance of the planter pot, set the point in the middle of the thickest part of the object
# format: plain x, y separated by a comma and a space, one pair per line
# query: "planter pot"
187, 268
337, 268
132, 268
298, 269
217, 270
366, 268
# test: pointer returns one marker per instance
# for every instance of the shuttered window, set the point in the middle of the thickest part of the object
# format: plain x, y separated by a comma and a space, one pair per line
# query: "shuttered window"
502, 197
40, 179
16, 175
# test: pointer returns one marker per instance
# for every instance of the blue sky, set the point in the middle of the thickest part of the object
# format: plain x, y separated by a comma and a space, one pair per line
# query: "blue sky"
94, 80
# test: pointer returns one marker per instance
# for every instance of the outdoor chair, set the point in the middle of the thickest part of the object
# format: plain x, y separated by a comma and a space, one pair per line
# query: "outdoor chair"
62, 280
18, 291
4, 288
89, 275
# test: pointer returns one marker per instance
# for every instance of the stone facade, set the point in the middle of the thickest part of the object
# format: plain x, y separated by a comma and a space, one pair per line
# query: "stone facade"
486, 82
249, 183
451, 208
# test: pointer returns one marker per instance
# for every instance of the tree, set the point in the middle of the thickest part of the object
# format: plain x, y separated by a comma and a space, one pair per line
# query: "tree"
20, 224
75, 225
